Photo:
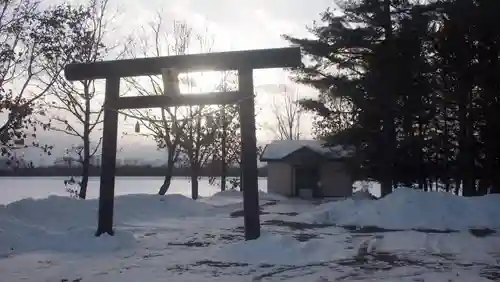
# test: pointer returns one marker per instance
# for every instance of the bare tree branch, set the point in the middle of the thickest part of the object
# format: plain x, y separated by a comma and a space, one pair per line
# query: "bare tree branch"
31, 36
287, 114
96, 147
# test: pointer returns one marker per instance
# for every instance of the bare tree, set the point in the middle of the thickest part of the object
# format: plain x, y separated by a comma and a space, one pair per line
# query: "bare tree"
198, 134
30, 37
226, 145
287, 114
77, 100
168, 125
197, 143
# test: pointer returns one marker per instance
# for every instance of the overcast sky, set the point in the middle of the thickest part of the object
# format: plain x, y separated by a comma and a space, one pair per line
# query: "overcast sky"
234, 25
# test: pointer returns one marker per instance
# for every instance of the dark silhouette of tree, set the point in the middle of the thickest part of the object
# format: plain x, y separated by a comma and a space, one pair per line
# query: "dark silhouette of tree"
418, 87
31, 37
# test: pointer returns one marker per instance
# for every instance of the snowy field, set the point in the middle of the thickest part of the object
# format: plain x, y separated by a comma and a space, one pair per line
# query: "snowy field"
407, 236
18, 188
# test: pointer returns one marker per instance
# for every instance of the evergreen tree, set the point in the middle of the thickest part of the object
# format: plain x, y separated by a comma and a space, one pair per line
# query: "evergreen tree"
361, 55
414, 87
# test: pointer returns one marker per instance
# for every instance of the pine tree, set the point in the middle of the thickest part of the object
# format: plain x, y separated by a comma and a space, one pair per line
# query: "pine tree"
371, 55
414, 87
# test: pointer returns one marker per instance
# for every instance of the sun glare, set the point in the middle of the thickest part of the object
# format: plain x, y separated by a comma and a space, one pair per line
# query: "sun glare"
200, 82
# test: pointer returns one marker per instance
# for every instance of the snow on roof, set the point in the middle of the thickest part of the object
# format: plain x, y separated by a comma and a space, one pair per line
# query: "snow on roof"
279, 149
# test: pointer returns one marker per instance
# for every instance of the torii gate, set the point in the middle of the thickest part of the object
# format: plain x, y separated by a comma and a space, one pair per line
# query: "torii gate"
242, 61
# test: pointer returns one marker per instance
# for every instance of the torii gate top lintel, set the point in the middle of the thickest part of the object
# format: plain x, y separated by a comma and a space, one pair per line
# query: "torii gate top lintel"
232, 60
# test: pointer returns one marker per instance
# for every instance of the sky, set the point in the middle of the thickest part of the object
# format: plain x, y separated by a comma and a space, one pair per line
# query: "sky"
233, 25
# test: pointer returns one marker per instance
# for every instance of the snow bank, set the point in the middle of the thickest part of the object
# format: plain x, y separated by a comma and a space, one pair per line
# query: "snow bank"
55, 224
363, 195
462, 245
271, 196
66, 224
228, 193
239, 194
17, 237
231, 201
233, 197
56, 211
412, 209
280, 249
224, 198
142, 207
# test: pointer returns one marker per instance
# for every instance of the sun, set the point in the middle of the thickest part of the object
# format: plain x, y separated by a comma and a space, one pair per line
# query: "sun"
200, 82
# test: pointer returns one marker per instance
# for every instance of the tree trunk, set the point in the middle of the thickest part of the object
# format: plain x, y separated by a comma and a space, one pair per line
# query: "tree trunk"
422, 177
446, 149
194, 182
466, 151
489, 176
168, 175
388, 121
447, 184
166, 181
491, 89
495, 188
86, 150
386, 184
85, 179
223, 176
483, 186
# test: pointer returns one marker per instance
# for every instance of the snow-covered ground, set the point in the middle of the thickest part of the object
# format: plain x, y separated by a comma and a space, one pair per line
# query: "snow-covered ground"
173, 238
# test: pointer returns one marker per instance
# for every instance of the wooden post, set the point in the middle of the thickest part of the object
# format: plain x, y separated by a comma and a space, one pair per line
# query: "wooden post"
108, 162
249, 175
